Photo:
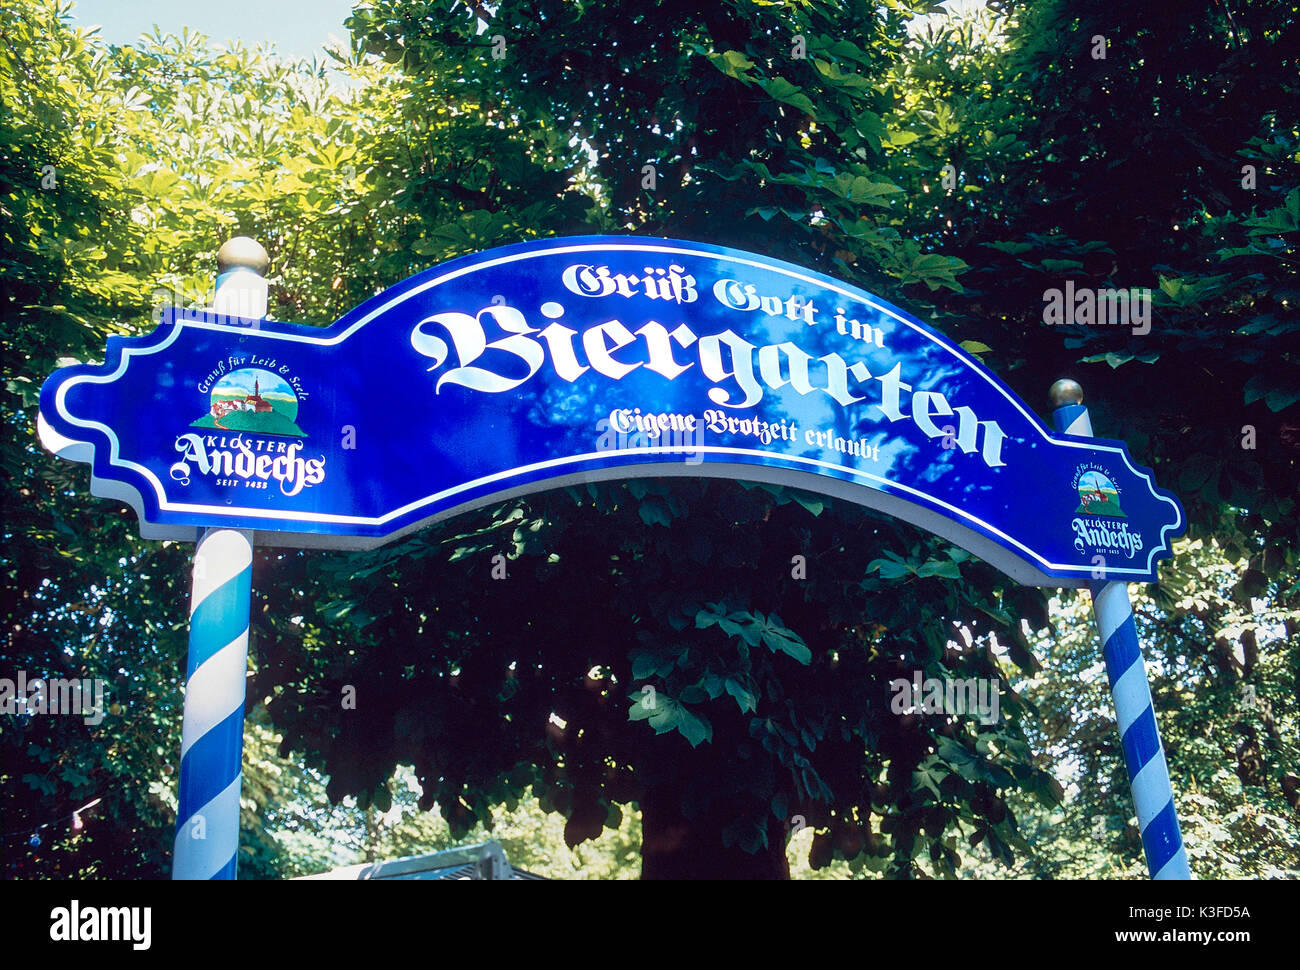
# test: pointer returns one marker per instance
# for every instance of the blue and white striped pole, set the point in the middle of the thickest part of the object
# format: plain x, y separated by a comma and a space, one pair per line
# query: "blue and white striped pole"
1143, 754
212, 737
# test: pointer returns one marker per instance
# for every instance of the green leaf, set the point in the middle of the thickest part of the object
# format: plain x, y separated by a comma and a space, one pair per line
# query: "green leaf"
1283, 219
693, 694
835, 76
654, 511
960, 758
1014, 248
940, 567
782, 90
1057, 266
888, 568
710, 614
714, 685
1268, 386
780, 807
786, 641
929, 778
644, 665
645, 705
812, 503
731, 63
900, 139
744, 697
694, 728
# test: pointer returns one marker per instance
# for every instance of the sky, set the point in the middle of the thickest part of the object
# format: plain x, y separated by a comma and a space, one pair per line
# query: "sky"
298, 28
243, 379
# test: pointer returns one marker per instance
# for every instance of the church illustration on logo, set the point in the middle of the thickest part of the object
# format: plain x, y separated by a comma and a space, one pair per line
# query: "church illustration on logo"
255, 401
238, 403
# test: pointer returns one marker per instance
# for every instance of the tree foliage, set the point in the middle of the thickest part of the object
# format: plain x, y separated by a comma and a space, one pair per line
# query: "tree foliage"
652, 652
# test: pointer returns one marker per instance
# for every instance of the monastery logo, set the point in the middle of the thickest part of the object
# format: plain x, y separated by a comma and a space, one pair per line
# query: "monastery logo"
1099, 501
1098, 495
246, 403
255, 401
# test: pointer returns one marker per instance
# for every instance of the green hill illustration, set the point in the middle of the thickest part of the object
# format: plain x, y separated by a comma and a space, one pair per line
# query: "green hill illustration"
1099, 496
252, 400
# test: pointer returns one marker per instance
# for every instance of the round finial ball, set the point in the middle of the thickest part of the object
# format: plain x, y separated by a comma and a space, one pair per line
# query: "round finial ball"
1066, 391
242, 252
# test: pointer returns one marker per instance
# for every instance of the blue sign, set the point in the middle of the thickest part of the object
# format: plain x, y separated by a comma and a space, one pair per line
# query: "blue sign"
588, 358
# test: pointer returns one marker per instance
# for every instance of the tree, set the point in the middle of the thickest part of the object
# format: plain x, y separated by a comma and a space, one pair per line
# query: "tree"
99, 234
958, 168
644, 645
1224, 704
1182, 153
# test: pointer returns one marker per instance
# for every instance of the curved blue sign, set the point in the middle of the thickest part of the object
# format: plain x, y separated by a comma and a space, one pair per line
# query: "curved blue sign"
587, 358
